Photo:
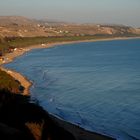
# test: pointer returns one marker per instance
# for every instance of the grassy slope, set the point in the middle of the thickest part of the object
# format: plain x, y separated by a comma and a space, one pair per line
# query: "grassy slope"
8, 83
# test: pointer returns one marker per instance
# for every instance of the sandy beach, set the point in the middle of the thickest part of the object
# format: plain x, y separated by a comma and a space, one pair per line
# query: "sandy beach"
78, 132
23, 80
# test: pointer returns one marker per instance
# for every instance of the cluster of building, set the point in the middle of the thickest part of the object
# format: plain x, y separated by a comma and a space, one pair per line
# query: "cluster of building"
3, 59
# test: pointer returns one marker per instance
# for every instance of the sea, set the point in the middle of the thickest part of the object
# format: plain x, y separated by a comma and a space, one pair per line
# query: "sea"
95, 85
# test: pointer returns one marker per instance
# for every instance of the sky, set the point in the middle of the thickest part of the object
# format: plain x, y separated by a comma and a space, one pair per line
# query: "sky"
126, 12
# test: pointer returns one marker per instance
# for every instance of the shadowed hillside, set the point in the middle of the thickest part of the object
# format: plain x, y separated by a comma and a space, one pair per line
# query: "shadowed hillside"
20, 119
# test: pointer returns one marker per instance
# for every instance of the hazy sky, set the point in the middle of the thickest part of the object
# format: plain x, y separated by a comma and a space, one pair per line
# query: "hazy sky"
86, 11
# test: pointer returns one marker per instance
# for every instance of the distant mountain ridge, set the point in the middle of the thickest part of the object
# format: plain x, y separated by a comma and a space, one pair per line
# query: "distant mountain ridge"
8, 20
25, 27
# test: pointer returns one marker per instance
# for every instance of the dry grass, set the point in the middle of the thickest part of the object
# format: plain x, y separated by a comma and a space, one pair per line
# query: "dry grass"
36, 129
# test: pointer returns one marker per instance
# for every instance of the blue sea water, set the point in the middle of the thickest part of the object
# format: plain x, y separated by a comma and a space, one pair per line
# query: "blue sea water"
95, 85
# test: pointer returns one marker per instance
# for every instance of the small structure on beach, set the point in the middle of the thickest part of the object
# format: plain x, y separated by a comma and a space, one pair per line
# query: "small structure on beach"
15, 49
43, 44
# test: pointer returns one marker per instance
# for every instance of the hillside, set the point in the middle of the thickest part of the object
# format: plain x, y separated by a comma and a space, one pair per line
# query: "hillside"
8, 83
21, 26
24, 27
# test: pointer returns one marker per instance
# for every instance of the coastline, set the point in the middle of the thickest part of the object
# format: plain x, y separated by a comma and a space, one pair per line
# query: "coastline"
22, 79
80, 133
75, 130
25, 82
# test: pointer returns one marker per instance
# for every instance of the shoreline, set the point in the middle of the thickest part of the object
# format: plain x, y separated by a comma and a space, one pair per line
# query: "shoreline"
25, 82
22, 79
80, 133
74, 129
